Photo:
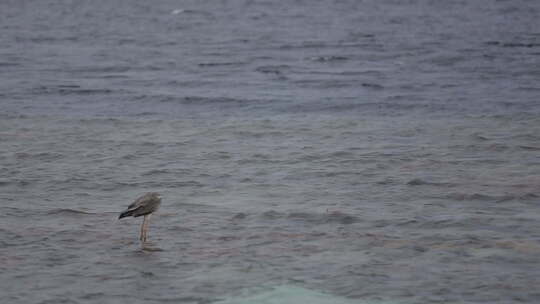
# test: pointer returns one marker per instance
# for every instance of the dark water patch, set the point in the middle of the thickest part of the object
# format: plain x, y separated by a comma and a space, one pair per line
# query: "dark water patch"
112, 76
261, 133
529, 196
47, 39
98, 121
42, 156
147, 114
219, 64
5, 64
417, 182
334, 217
339, 173
217, 155
304, 45
330, 58
375, 74
97, 69
70, 90
198, 100
492, 43
374, 86
519, 45
325, 45
380, 108
175, 171
420, 182
447, 60
130, 156
273, 69
92, 296
483, 222
151, 184
388, 181
478, 197
59, 300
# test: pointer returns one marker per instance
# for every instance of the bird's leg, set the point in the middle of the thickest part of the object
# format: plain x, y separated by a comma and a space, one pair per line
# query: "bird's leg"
147, 222
142, 237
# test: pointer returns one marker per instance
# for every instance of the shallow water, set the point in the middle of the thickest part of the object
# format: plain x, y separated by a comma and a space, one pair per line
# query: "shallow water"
373, 150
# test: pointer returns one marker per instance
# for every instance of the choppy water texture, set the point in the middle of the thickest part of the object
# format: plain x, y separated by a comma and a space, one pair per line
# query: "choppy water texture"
373, 150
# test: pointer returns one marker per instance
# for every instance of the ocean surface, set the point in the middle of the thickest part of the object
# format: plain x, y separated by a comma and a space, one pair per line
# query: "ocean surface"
375, 150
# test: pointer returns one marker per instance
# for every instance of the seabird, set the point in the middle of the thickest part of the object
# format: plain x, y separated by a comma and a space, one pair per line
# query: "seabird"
144, 205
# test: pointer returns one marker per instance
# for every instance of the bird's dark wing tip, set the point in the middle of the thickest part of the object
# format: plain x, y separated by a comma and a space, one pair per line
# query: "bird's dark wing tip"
125, 214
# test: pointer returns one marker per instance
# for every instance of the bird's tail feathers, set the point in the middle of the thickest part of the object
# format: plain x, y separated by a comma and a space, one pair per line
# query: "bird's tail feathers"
126, 213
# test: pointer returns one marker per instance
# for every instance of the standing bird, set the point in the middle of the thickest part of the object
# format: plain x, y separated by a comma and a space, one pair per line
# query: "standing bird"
144, 205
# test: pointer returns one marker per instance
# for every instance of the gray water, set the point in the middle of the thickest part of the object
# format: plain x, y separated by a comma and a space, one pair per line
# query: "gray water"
373, 150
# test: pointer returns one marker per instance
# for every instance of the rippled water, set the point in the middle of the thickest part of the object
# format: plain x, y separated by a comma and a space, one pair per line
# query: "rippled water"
373, 150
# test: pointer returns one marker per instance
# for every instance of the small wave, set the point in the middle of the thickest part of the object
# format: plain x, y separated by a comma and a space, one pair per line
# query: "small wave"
530, 148
239, 216
477, 136
321, 45
528, 196
67, 211
179, 11
527, 137
334, 217
272, 214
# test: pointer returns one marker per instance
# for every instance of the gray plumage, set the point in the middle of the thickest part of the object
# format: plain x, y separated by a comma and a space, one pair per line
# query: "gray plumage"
143, 206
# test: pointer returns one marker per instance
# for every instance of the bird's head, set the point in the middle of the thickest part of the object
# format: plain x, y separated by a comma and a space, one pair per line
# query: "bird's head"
156, 195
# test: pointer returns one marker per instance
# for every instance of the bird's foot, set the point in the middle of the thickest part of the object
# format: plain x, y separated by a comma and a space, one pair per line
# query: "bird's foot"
150, 247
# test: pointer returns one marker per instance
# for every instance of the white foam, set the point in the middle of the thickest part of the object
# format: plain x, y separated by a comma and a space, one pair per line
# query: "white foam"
286, 294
